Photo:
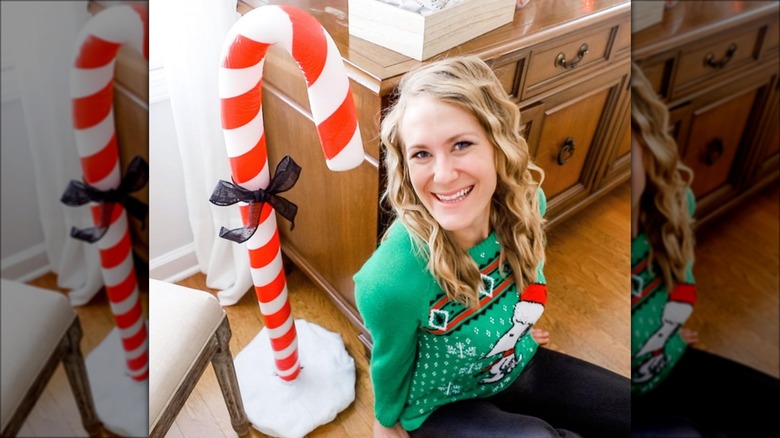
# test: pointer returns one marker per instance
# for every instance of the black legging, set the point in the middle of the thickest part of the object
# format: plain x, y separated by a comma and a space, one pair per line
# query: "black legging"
556, 395
709, 396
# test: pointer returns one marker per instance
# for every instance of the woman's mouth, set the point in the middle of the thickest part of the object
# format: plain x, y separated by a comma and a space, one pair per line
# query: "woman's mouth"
455, 197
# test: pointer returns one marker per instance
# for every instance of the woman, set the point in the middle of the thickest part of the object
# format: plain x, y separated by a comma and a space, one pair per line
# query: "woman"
678, 390
452, 293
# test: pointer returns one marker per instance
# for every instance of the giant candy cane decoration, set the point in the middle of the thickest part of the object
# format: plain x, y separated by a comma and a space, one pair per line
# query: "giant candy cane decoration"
333, 111
91, 91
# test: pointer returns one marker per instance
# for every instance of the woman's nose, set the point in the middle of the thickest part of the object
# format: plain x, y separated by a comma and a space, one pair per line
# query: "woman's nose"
444, 170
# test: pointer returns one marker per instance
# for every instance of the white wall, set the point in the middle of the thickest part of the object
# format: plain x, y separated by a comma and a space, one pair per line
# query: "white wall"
171, 243
21, 247
171, 248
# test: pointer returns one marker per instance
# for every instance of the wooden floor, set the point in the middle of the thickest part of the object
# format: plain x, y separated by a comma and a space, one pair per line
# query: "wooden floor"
737, 272
588, 272
587, 313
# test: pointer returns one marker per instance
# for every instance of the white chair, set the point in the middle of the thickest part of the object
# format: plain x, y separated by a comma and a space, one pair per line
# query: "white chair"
39, 329
187, 329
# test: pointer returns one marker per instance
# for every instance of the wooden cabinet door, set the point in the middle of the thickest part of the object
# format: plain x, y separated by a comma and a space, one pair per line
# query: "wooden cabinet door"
566, 140
714, 140
718, 135
567, 137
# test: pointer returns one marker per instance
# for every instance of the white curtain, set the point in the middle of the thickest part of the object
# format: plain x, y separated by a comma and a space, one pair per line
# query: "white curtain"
41, 49
193, 38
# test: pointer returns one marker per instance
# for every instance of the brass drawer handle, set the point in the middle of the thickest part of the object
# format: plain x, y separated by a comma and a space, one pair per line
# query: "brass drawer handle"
566, 152
714, 152
709, 59
560, 60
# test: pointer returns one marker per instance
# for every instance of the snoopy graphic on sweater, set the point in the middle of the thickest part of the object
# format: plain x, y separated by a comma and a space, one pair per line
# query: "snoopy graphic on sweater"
526, 312
676, 312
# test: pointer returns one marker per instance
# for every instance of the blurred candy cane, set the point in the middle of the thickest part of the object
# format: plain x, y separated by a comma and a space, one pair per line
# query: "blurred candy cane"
92, 94
333, 111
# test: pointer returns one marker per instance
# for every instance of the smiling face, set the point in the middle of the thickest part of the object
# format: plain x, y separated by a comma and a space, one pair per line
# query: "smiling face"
451, 166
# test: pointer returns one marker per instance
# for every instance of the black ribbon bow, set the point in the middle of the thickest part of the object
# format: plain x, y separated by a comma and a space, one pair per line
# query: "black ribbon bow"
79, 193
226, 193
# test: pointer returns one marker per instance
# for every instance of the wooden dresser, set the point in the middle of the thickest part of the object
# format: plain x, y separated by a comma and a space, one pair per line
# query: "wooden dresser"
565, 63
715, 65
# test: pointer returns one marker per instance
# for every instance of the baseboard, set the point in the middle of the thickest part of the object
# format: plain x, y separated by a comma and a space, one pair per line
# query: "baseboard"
175, 265
33, 262
25, 265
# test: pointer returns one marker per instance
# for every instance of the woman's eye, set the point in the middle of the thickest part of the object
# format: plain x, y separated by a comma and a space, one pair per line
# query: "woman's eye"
421, 154
462, 145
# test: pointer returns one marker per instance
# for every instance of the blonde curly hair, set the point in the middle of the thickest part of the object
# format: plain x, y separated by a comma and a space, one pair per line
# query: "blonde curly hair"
470, 84
664, 214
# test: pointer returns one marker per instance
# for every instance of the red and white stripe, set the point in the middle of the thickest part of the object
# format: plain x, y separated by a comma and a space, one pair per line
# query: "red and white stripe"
91, 91
333, 111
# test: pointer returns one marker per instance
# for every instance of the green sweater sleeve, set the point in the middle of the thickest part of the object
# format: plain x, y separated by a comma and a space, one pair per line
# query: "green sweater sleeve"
542, 202
691, 200
543, 210
390, 313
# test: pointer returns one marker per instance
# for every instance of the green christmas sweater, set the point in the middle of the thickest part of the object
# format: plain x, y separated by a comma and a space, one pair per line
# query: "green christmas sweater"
656, 316
428, 350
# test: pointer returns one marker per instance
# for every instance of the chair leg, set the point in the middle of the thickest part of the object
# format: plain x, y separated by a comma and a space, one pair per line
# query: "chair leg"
188, 384
222, 361
76, 370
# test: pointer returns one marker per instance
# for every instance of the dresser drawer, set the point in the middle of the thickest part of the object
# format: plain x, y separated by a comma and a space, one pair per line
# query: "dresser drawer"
566, 59
508, 71
715, 59
656, 76
622, 39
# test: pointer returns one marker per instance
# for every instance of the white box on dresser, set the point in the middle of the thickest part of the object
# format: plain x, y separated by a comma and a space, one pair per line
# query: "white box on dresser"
423, 36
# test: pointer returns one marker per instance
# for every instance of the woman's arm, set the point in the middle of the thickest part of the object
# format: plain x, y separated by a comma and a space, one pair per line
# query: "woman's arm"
392, 326
387, 295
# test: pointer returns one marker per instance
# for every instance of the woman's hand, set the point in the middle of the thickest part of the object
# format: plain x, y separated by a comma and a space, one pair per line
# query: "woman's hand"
541, 337
389, 432
689, 336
